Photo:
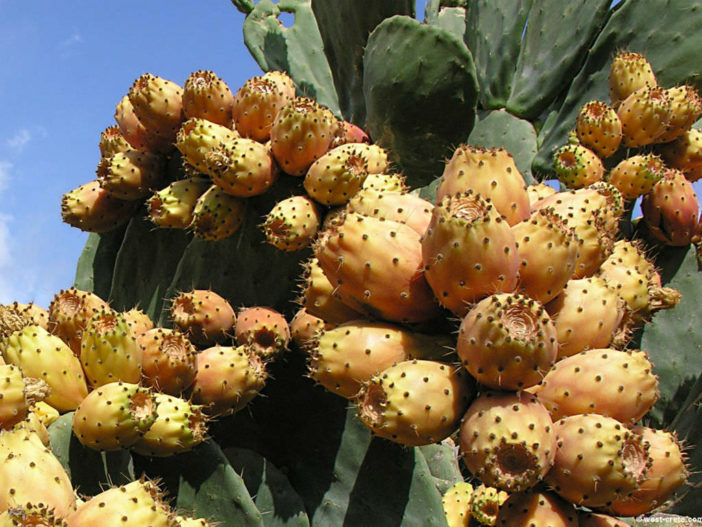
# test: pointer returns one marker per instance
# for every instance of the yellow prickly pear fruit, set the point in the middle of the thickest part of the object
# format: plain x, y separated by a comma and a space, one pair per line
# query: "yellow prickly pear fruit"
456, 503
538, 191
292, 224
629, 72
207, 96
91, 208
198, 137
31, 514
15, 316
410, 209
242, 167
18, 394
577, 166
217, 215
158, 103
132, 174
686, 108
168, 360
113, 142
336, 176
173, 206
534, 507
636, 175
204, 315
598, 127
485, 504
385, 182
645, 115
685, 153
69, 313
138, 321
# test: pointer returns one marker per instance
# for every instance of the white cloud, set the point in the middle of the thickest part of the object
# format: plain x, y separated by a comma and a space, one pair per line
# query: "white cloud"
5, 167
74, 39
19, 140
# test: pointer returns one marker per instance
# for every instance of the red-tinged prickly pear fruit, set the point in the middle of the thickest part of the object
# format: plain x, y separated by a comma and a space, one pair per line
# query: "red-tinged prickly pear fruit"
132, 174
114, 416
113, 142
587, 314
198, 137
629, 72
536, 508
539, 191
173, 206
645, 115
140, 502
636, 175
257, 102
134, 131
158, 103
468, 252
456, 504
91, 208
301, 133
319, 296
507, 440
671, 210
598, 460
548, 251
69, 313
336, 176
598, 127
410, 209
15, 316
44, 356
292, 224
347, 132
592, 519
179, 426
485, 504
491, 173
618, 384
344, 357
138, 321
19, 393
204, 315
109, 350
685, 153
577, 166
217, 215
377, 268
385, 183
304, 328
415, 402
507, 341
227, 378
264, 330
168, 360
31, 514
242, 167
686, 108
30, 473
667, 473
207, 96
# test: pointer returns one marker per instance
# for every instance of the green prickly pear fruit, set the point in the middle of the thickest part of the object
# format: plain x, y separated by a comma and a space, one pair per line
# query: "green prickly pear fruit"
456, 504
491, 173
415, 402
258, 101
598, 460
577, 166
91, 208
385, 183
134, 131
227, 378
204, 315
198, 137
41, 355
377, 266
217, 215
347, 132
207, 96
292, 224
158, 104
19, 394
300, 134
168, 360
598, 127
686, 108
485, 504
344, 357
304, 328
468, 252
685, 153
114, 416
109, 350
69, 313
592, 519
629, 72
179, 426
410, 209
532, 508
320, 298
264, 330
671, 210
645, 115
636, 175
242, 167
507, 440
336, 176
618, 384
113, 142
131, 175
31, 514
173, 206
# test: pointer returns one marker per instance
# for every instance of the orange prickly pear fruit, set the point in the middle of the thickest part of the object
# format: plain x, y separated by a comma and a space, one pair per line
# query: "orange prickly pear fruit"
598, 127
69, 313
158, 103
207, 96
168, 360
645, 115
204, 315
217, 215
263, 329
91, 208
636, 175
629, 72
292, 224
686, 108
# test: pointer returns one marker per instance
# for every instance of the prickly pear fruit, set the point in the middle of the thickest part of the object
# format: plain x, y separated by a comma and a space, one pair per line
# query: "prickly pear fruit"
410, 209
292, 224
242, 167
18, 394
336, 176
319, 296
385, 182
173, 206
207, 96
485, 504
227, 378
301, 133
135, 132
179, 426
577, 166
636, 175
15, 316
169, 360
31, 514
132, 174
158, 103
685, 153
629, 72
538, 191
186, 521
138, 321
598, 127
456, 504
197, 137
598, 460
109, 350
592, 519
217, 215
507, 341
415, 402
41, 355
204, 315
114, 416
344, 357
686, 108
347, 132
112, 142
645, 115
263, 329
536, 508
69, 313
491, 173
507, 440
304, 328
468, 252
91, 208
377, 268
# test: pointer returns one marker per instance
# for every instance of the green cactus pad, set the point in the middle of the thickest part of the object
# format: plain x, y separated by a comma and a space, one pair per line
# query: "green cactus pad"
96, 262
451, 19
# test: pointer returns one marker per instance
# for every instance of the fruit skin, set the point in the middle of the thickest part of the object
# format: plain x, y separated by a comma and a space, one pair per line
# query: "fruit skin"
618, 384
629, 72
507, 440
685, 153
320, 297
536, 508
131, 175
138, 321
336, 176
468, 252
168, 360
207, 96
598, 127
264, 330
18, 394
29, 514
204, 315
491, 173
91, 208
507, 341
242, 167
347, 132
114, 416
15, 316
293, 223
636, 175
485, 504
377, 266
112, 142
158, 103
577, 166
69, 313
686, 108
173, 206
456, 504
198, 137
598, 460
645, 115
591, 519
539, 191
385, 182
410, 209
134, 132
304, 328
217, 215
415, 402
